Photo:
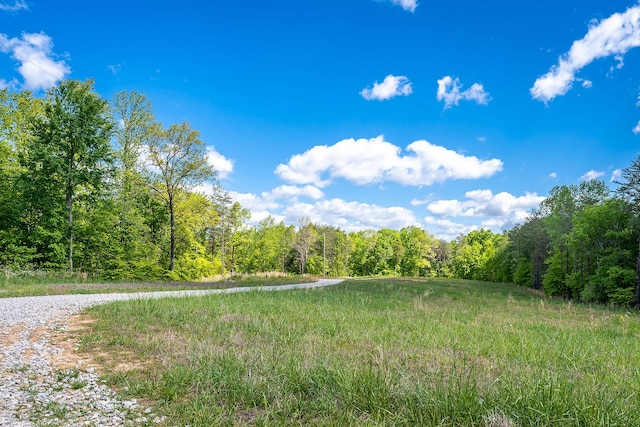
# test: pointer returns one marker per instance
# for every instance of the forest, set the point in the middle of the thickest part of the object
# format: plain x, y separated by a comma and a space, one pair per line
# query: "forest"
100, 188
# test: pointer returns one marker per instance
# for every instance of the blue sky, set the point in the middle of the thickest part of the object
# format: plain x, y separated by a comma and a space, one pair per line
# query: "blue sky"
363, 113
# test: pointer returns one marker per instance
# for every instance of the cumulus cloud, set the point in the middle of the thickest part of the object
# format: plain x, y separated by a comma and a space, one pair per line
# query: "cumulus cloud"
483, 203
616, 175
636, 129
261, 205
351, 216
293, 192
553, 175
16, 6
446, 229
38, 64
449, 91
368, 161
409, 5
254, 202
222, 165
592, 174
500, 211
614, 35
390, 87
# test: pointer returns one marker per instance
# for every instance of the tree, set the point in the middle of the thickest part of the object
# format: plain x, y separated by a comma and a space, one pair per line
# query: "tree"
630, 189
135, 125
418, 251
71, 144
138, 211
529, 244
18, 110
305, 237
177, 162
230, 216
602, 239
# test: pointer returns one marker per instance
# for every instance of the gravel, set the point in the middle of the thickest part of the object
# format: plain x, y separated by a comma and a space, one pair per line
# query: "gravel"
36, 391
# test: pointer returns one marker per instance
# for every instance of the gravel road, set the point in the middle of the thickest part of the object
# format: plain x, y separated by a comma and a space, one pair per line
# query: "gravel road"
41, 384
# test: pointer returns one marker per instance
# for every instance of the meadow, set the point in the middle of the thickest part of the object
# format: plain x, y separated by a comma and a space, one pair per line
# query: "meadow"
384, 352
39, 282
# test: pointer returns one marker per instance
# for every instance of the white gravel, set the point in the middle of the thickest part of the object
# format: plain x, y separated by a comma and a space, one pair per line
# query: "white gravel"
33, 392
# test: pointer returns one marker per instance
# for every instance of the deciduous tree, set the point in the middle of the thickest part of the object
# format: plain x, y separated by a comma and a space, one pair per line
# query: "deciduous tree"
71, 145
176, 163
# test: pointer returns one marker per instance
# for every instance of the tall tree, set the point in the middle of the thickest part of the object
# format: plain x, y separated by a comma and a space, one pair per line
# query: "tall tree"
177, 162
630, 189
73, 140
305, 237
138, 211
18, 111
229, 219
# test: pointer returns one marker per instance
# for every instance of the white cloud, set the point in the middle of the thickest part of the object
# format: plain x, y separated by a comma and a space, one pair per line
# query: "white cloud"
8, 84
254, 202
115, 68
587, 84
409, 5
391, 87
592, 174
292, 191
616, 175
34, 53
481, 139
614, 35
446, 229
501, 211
367, 161
351, 216
16, 6
222, 165
620, 60
636, 129
553, 175
266, 202
449, 92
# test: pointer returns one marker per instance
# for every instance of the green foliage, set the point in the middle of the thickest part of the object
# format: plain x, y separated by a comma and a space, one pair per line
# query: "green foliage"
476, 255
109, 191
191, 266
523, 273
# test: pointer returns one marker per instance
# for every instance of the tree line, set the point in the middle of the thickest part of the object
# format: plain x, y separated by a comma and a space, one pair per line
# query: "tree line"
101, 187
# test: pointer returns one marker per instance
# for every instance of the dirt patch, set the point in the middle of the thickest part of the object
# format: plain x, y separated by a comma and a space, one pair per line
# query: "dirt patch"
62, 348
8, 336
63, 345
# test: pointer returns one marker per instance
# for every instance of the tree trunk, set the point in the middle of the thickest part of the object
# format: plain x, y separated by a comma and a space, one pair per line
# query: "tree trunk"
172, 236
69, 197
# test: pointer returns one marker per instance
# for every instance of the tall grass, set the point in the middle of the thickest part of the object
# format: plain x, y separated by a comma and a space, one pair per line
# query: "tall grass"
33, 282
381, 352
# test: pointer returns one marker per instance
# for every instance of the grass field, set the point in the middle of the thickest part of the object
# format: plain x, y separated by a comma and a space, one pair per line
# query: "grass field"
376, 352
56, 284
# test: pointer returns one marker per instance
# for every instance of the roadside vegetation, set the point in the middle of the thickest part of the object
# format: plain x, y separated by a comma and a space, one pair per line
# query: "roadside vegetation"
38, 283
99, 187
444, 352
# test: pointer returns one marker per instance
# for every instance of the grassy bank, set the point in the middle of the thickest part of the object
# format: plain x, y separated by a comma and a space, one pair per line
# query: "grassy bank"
46, 283
379, 352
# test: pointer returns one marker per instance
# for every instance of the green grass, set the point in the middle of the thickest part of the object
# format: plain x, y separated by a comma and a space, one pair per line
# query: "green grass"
378, 353
44, 283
